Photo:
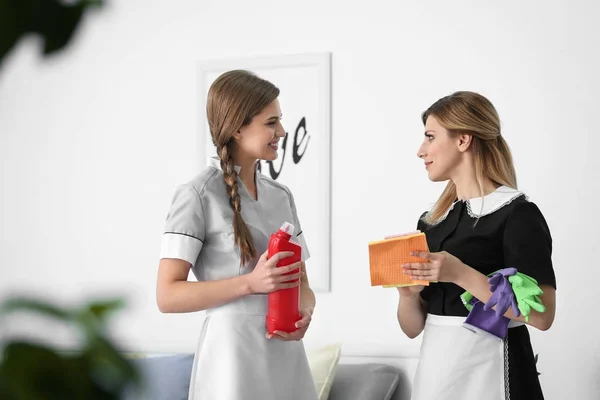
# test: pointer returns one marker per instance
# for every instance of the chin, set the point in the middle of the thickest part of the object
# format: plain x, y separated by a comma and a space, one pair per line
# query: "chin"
270, 156
437, 178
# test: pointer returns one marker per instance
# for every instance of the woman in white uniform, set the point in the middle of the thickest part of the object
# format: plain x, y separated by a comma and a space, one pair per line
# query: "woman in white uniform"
219, 225
480, 224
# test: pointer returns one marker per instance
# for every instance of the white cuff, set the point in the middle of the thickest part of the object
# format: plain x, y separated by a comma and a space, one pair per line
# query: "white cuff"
305, 253
182, 247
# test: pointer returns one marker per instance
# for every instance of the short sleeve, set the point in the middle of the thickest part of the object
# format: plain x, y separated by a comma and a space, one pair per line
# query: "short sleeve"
528, 244
185, 226
298, 233
421, 226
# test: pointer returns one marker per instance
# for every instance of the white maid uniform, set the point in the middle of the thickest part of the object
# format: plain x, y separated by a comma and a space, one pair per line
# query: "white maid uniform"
234, 360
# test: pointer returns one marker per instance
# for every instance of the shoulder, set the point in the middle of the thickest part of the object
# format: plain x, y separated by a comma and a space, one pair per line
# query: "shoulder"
523, 211
205, 181
523, 204
422, 223
194, 190
524, 221
278, 186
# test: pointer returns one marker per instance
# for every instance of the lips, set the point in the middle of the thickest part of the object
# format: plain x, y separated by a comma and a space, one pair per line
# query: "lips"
428, 163
274, 145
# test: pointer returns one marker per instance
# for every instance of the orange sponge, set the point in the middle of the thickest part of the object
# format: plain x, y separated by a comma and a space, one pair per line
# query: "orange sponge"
387, 256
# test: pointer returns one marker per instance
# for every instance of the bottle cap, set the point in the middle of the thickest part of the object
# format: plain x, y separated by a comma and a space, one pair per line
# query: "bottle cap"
287, 228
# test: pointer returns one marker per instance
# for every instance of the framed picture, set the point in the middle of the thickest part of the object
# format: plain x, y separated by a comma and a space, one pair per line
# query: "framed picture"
304, 162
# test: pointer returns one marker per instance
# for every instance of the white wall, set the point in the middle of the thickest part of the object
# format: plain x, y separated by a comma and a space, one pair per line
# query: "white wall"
94, 141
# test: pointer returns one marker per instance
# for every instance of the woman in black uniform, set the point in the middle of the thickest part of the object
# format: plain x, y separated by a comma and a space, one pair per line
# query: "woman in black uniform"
480, 224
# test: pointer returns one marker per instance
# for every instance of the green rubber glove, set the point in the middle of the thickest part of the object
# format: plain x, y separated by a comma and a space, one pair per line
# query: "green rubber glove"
466, 299
527, 293
519, 276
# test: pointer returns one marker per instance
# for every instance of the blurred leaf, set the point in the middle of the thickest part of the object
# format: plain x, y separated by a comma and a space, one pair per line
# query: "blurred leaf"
55, 21
33, 371
39, 306
95, 371
110, 368
92, 317
101, 308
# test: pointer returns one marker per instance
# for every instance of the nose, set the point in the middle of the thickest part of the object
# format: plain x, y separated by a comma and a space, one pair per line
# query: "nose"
280, 131
421, 153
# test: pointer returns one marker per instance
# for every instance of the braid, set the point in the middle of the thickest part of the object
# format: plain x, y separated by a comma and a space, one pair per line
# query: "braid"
230, 177
242, 236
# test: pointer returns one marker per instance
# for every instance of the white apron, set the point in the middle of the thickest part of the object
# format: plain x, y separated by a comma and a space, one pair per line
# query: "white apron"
235, 361
456, 363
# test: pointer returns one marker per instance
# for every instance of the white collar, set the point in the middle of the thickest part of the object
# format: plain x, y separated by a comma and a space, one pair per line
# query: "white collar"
480, 206
215, 161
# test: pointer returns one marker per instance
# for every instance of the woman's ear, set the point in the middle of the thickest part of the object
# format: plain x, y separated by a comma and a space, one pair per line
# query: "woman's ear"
237, 135
464, 141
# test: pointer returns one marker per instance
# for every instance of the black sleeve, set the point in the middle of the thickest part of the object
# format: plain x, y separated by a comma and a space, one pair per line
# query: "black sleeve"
528, 243
422, 226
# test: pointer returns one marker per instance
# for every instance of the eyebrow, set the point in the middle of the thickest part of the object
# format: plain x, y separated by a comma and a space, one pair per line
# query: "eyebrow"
274, 117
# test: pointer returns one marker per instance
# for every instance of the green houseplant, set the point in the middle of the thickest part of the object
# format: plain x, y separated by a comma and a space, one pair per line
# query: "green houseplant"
94, 370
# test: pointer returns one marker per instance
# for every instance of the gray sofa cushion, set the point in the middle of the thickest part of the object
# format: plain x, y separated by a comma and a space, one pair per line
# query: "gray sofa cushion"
365, 382
168, 378
165, 377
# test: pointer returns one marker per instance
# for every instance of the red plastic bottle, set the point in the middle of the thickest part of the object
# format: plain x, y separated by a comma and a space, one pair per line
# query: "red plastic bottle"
282, 312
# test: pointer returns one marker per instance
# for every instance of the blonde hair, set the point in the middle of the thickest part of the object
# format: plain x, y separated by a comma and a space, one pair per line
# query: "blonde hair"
471, 113
234, 99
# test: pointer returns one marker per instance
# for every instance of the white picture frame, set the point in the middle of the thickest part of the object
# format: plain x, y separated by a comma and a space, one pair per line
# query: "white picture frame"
304, 163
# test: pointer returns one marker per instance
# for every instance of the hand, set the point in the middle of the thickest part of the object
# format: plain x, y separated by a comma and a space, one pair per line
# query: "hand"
267, 277
298, 334
441, 267
408, 291
502, 296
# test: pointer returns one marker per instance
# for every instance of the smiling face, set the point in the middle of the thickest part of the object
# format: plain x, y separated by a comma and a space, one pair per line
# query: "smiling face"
441, 151
259, 140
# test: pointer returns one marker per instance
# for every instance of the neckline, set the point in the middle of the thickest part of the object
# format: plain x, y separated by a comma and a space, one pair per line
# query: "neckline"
488, 204
478, 207
215, 162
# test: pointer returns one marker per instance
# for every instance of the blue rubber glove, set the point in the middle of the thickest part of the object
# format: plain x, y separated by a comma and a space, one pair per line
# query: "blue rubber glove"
502, 295
486, 322
497, 276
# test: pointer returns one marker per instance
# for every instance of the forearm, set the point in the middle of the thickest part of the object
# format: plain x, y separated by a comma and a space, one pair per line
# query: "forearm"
477, 284
183, 296
411, 315
307, 297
